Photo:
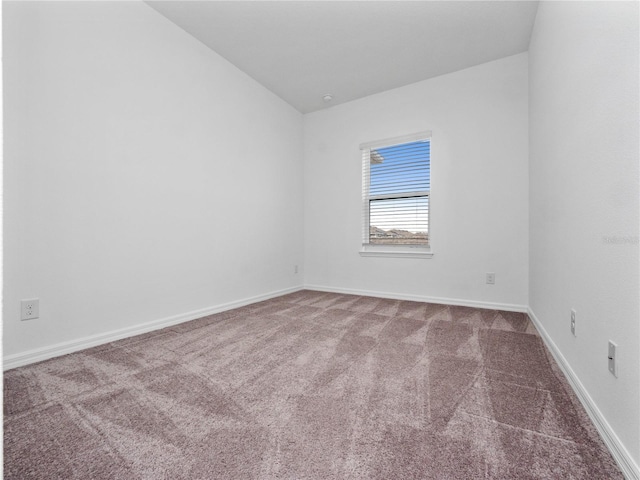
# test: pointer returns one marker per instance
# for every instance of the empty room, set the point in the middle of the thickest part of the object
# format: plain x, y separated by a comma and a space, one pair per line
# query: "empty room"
321, 239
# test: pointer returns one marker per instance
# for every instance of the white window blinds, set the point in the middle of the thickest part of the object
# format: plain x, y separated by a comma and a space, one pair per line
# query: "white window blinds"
396, 187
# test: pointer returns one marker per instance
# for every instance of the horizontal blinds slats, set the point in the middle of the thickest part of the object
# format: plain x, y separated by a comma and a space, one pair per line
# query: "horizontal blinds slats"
398, 209
401, 150
421, 182
399, 167
409, 155
400, 184
399, 171
391, 190
396, 185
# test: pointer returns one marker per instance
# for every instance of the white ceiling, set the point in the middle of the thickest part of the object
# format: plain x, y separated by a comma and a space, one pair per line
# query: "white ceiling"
301, 50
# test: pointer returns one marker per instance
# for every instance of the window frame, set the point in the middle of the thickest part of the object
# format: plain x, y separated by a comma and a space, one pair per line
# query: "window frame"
390, 250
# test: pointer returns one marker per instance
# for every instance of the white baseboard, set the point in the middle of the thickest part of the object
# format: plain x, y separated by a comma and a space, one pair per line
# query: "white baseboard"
618, 451
422, 298
44, 353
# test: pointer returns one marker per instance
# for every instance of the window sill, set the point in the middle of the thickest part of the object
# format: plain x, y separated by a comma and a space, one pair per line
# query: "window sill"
396, 252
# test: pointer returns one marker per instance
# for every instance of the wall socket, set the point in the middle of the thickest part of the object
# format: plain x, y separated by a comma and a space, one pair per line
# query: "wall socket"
29, 308
613, 363
573, 322
295, 269
491, 278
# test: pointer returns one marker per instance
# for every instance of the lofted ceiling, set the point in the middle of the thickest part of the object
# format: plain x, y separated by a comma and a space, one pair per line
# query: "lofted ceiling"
301, 50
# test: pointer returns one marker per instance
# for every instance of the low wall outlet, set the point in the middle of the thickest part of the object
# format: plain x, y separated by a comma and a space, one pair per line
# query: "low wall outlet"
613, 363
491, 278
573, 322
29, 309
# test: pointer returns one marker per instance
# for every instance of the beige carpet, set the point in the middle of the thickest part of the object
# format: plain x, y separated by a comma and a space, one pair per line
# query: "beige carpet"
308, 385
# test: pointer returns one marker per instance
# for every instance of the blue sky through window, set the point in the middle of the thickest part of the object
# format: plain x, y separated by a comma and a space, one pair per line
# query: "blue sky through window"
400, 179
405, 168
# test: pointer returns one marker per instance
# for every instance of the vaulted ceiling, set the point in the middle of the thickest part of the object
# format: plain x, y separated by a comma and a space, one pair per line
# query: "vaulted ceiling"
301, 50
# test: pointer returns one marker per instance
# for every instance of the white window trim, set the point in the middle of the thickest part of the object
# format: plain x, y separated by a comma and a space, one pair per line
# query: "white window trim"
399, 251
390, 142
395, 251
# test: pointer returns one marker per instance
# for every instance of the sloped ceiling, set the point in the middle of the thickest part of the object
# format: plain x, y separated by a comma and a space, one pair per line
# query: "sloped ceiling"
301, 50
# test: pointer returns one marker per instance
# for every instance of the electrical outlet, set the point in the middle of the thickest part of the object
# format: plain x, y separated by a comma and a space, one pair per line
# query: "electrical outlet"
491, 278
613, 364
29, 308
573, 322
295, 269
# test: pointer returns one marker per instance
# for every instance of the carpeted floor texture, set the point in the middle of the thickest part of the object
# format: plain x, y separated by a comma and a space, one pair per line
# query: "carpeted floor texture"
308, 385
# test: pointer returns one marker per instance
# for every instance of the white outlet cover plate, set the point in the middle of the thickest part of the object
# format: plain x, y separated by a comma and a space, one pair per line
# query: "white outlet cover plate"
29, 308
613, 363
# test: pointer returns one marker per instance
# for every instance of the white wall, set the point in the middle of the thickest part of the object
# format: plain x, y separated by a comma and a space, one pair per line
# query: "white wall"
145, 176
584, 194
479, 195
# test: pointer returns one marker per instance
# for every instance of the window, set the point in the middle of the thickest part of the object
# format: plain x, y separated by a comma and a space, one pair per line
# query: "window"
396, 185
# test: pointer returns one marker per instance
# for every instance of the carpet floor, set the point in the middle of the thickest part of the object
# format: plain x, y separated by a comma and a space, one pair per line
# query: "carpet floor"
308, 385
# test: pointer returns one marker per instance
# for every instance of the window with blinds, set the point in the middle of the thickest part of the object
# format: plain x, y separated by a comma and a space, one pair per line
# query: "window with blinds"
396, 187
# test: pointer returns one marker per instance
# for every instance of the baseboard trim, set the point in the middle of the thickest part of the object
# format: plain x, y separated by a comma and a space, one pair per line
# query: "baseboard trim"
618, 451
63, 348
421, 298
